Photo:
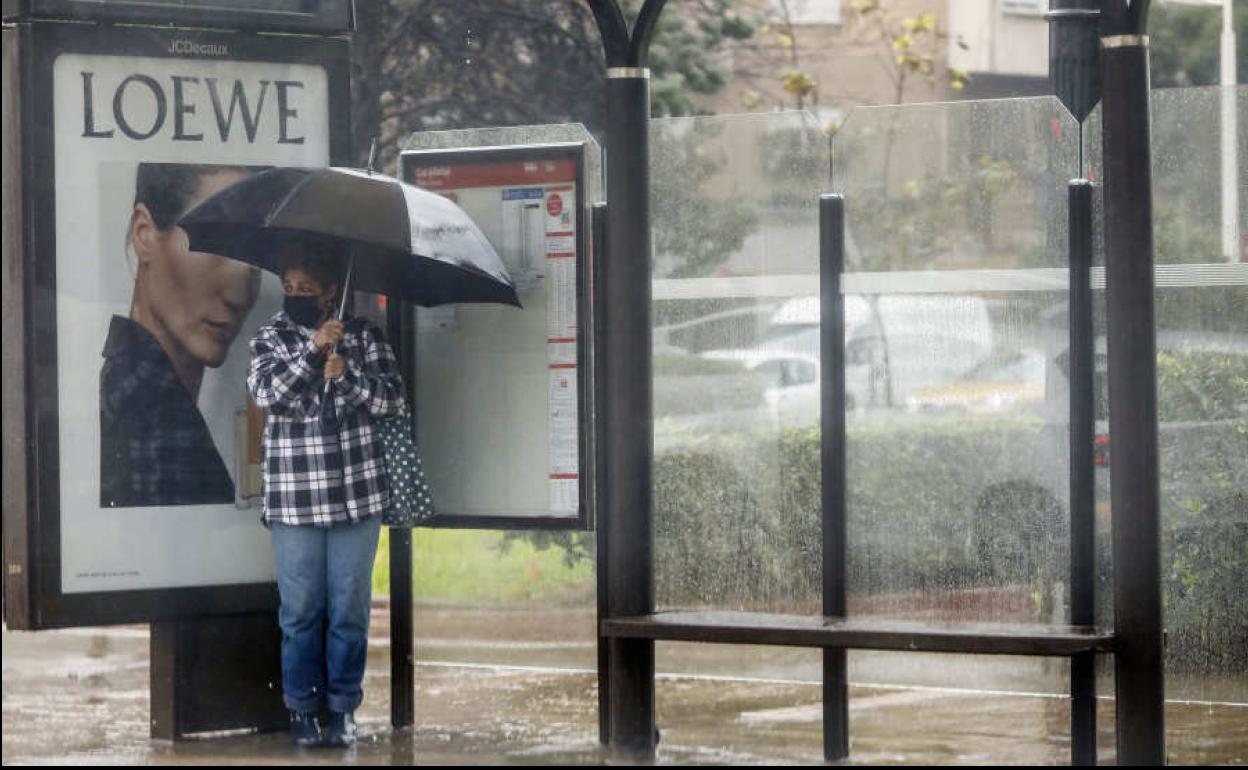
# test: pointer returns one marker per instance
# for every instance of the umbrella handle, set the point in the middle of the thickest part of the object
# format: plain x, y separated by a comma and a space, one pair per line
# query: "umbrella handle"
342, 305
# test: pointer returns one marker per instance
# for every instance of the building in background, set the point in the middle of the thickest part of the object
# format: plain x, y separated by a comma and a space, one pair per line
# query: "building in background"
828, 56
1003, 45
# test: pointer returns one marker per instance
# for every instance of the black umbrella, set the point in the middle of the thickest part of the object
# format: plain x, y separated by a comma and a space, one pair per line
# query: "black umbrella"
402, 241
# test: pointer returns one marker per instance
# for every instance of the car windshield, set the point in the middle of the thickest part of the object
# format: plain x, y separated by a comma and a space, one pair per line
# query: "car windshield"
793, 337
1010, 367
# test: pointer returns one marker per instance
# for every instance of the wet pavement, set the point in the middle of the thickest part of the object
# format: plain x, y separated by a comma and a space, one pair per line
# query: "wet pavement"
527, 695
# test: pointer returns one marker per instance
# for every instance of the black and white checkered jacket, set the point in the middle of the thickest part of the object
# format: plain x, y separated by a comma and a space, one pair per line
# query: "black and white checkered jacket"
323, 463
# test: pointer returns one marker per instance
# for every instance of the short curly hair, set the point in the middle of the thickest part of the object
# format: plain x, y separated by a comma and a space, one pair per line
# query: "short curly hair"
315, 259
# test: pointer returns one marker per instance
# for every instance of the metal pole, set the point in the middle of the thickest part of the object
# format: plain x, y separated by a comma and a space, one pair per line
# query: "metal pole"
402, 654
401, 328
1230, 143
832, 462
598, 226
1082, 473
627, 409
1139, 665
1074, 46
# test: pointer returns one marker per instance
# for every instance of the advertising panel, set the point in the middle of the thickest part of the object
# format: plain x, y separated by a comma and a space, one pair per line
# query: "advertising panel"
279, 15
145, 451
501, 403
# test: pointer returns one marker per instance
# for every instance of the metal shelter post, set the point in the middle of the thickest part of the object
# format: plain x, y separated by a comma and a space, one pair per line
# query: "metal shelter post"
1074, 70
598, 224
1139, 665
400, 325
402, 654
1082, 472
624, 366
832, 461
627, 408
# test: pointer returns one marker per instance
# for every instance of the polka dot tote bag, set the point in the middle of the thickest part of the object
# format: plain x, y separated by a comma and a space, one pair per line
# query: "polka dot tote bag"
410, 502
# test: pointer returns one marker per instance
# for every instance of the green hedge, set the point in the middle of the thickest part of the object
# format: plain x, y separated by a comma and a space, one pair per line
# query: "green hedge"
1201, 385
940, 506
738, 523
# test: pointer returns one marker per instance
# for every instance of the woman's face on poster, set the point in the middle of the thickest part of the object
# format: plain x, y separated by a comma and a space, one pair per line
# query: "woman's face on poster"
199, 298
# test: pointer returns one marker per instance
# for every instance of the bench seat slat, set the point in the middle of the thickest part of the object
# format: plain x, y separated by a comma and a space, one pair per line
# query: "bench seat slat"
860, 633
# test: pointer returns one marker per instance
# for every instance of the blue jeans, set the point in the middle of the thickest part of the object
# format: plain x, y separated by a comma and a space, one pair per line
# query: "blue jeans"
324, 575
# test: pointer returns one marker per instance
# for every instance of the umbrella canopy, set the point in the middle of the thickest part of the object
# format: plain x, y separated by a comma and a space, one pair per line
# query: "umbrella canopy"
403, 241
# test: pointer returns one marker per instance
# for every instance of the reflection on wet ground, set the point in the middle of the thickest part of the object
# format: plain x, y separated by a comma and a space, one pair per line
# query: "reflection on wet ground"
81, 697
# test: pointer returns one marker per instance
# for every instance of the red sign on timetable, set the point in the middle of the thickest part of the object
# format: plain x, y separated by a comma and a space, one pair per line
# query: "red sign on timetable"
511, 174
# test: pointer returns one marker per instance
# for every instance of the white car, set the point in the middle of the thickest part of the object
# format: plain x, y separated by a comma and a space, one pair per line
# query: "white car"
895, 347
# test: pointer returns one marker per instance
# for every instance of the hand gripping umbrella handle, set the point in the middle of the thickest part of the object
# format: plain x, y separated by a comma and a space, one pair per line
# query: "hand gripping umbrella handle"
342, 306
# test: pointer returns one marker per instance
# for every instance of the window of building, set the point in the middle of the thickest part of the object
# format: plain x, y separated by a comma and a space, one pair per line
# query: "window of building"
806, 11
1025, 7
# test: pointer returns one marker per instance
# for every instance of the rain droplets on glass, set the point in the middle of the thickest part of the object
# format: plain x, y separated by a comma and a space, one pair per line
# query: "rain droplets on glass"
472, 45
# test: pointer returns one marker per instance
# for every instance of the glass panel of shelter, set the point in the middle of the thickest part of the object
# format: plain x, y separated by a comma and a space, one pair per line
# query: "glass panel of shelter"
1202, 392
956, 232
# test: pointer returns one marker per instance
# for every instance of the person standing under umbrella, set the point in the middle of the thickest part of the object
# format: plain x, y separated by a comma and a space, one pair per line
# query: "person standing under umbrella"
325, 486
324, 465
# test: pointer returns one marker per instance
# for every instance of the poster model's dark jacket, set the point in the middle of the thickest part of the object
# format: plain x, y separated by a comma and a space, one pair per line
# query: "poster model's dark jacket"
155, 448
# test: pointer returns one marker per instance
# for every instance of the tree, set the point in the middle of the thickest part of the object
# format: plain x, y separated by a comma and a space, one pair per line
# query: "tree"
440, 64
913, 45
910, 48
796, 81
443, 64
687, 53
1184, 44
701, 231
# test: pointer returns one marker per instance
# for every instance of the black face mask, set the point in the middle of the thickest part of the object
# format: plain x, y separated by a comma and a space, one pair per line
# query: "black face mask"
305, 311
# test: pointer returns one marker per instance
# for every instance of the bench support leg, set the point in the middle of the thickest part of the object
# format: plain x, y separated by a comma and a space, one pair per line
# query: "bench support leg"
835, 705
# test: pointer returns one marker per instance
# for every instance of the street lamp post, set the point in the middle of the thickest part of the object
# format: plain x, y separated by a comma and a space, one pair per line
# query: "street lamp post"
1229, 129
1230, 143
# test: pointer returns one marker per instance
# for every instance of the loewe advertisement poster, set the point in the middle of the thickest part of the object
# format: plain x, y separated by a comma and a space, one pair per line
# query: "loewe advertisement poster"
152, 338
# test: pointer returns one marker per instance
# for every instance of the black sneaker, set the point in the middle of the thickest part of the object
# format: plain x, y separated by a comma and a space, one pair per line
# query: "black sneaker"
305, 731
341, 730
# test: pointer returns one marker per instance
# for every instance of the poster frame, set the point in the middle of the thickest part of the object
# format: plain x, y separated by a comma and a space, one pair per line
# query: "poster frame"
408, 161
33, 596
316, 16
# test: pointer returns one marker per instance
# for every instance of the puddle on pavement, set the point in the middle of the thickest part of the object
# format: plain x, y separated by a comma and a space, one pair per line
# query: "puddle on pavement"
72, 699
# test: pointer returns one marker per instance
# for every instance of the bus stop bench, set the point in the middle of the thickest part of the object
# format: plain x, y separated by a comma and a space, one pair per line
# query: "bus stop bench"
860, 633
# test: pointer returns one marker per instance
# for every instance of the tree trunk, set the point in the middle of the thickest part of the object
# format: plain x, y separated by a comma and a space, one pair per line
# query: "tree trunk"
367, 54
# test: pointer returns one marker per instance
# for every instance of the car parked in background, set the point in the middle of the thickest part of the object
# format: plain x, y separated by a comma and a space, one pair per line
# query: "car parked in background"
896, 347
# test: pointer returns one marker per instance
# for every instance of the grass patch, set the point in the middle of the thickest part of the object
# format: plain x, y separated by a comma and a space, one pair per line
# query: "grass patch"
470, 567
